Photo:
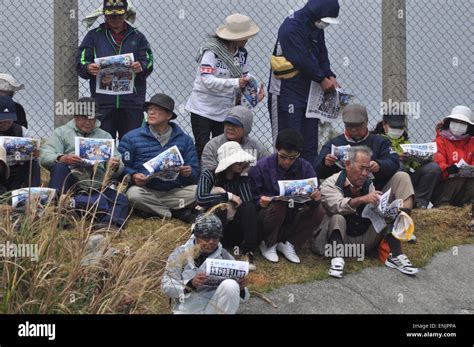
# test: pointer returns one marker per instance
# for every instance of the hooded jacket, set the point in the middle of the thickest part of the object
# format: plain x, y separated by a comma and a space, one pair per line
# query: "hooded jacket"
248, 144
303, 44
98, 43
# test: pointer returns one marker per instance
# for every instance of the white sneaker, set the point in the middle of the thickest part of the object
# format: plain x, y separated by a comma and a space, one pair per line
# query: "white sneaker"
269, 253
402, 264
288, 251
337, 267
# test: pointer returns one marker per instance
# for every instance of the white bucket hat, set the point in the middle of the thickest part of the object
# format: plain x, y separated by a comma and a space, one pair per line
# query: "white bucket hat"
9, 84
230, 153
330, 20
403, 227
237, 27
462, 113
3, 163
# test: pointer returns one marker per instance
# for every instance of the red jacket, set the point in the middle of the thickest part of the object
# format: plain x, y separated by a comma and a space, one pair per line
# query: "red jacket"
450, 152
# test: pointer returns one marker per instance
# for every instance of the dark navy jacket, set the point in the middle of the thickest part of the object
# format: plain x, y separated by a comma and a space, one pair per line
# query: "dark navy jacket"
382, 153
98, 43
304, 46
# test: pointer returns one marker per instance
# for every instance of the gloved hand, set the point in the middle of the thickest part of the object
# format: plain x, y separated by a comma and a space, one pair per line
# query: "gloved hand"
453, 169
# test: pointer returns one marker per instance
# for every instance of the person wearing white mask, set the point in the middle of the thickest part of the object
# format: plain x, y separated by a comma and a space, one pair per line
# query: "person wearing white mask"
424, 175
455, 142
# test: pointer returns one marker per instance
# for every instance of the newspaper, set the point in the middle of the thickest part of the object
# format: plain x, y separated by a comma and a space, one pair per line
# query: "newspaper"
420, 152
465, 170
250, 94
166, 165
326, 106
218, 270
21, 197
382, 212
296, 190
19, 149
94, 150
115, 76
341, 153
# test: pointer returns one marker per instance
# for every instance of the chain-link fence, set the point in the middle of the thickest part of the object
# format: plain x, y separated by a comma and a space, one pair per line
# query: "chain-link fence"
439, 53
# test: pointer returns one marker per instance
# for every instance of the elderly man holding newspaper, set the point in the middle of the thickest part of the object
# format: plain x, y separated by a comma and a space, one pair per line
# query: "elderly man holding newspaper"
186, 277
162, 163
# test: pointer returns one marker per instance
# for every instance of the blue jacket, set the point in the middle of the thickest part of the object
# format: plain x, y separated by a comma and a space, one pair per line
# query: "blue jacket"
139, 146
383, 154
304, 46
99, 43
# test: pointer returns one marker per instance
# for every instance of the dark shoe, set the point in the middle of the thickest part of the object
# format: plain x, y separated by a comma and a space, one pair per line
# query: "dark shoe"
250, 257
186, 215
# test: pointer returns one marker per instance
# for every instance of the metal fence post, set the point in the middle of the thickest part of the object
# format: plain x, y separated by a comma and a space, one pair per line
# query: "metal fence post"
394, 62
65, 46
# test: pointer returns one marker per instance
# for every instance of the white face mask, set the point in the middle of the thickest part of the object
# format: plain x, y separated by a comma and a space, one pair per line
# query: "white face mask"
320, 24
457, 129
395, 133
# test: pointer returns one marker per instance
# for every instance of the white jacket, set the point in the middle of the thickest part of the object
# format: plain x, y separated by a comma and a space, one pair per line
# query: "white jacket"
214, 90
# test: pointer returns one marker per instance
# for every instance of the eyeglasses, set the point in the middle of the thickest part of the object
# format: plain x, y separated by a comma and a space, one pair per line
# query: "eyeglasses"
284, 156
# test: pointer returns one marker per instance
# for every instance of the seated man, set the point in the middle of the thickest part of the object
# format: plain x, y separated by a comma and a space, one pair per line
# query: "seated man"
344, 196
153, 195
4, 171
22, 173
385, 161
87, 183
185, 274
237, 127
286, 226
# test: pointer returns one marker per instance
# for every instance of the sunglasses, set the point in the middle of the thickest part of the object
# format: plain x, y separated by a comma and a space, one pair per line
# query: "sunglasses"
284, 156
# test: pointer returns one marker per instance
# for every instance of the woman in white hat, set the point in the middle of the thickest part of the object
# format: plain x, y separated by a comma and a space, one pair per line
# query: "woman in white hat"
221, 74
227, 184
455, 143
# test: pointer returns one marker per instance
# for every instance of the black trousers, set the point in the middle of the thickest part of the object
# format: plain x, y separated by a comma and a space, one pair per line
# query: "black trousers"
202, 129
120, 120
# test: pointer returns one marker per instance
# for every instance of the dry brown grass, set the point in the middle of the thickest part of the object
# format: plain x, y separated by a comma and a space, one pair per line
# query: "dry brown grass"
129, 282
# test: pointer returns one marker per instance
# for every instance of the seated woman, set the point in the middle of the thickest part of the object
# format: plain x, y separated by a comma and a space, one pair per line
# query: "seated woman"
228, 185
424, 175
455, 142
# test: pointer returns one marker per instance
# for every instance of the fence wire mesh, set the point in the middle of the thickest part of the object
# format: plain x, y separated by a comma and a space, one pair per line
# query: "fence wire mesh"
438, 43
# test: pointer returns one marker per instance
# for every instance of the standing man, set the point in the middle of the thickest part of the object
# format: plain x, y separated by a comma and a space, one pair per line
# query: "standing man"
301, 42
121, 113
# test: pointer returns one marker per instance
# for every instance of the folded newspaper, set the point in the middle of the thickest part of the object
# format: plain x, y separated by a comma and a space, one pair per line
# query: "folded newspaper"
341, 153
296, 190
218, 270
465, 170
250, 94
383, 212
94, 150
21, 198
420, 152
328, 105
116, 76
19, 149
166, 165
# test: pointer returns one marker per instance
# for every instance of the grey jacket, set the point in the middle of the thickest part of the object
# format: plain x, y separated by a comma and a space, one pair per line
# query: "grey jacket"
250, 145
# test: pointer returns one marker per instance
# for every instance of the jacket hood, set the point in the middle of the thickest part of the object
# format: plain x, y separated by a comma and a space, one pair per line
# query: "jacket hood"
245, 116
317, 9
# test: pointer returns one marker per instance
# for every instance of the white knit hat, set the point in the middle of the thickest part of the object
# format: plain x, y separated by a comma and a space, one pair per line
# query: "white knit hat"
230, 153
